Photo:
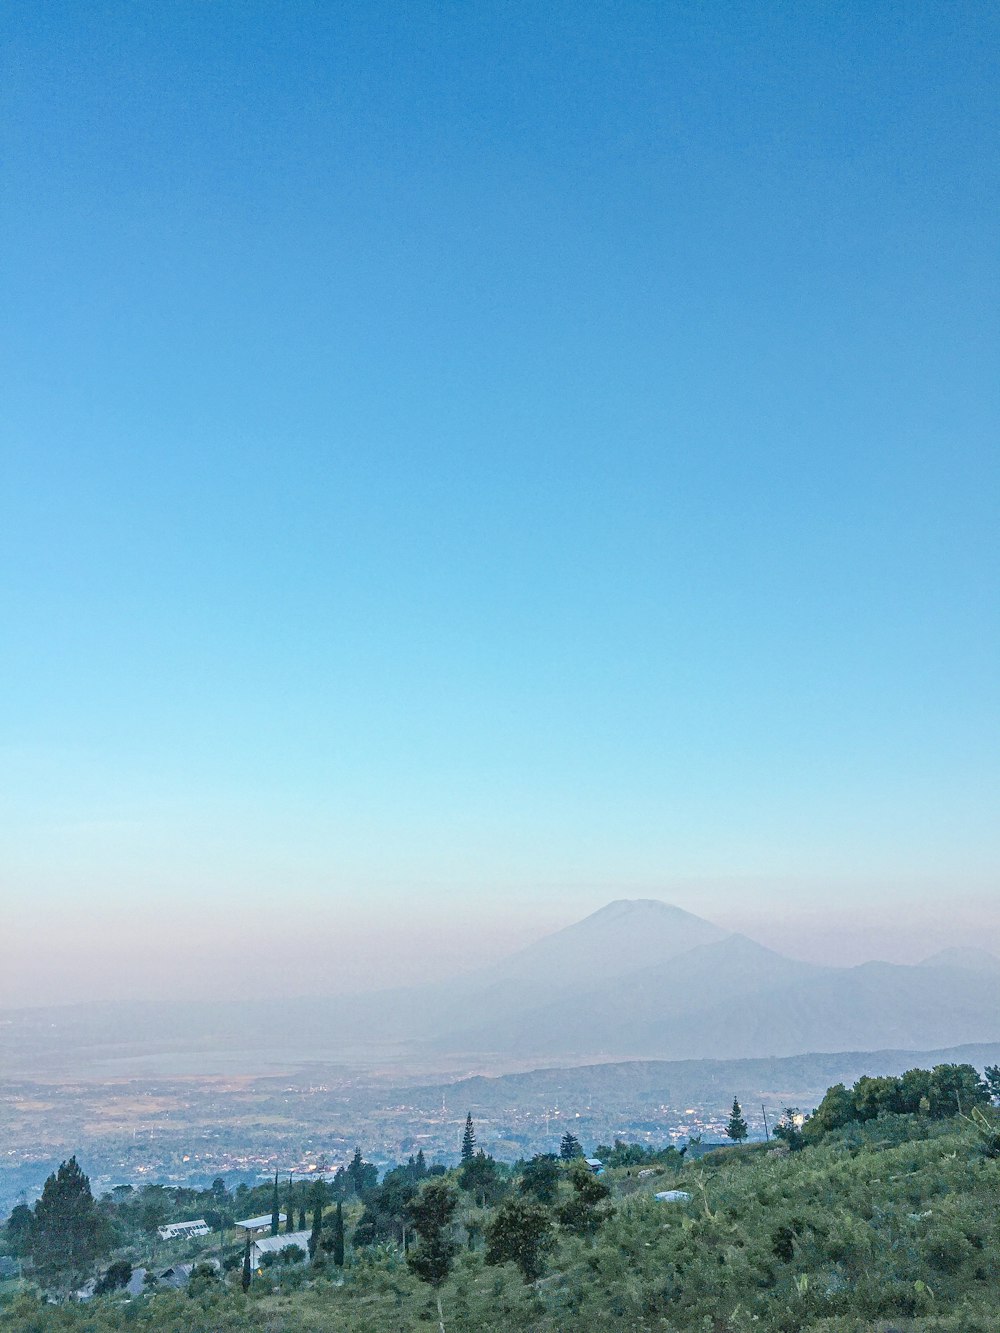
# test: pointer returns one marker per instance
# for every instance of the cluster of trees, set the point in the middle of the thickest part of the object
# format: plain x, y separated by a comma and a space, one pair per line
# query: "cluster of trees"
944, 1091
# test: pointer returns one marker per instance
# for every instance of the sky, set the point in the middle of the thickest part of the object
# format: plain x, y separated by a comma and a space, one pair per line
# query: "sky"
460, 464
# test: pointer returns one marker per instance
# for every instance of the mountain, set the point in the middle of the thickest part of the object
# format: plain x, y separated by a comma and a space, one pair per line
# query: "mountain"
623, 937
975, 960
636, 980
735, 999
643, 1011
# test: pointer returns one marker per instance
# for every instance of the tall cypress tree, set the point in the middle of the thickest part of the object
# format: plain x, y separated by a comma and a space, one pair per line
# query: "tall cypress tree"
245, 1279
737, 1127
317, 1228
275, 1210
338, 1236
290, 1215
468, 1140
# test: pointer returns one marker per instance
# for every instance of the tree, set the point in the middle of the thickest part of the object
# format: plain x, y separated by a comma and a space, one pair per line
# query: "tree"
570, 1147
338, 1236
468, 1139
317, 1228
68, 1232
877, 1096
582, 1213
621, 1153
737, 1127
362, 1176
246, 1274
955, 1089
991, 1077
290, 1215
385, 1216
480, 1176
835, 1110
118, 1275
789, 1128
540, 1177
431, 1214
520, 1233
154, 1212
275, 1209
18, 1231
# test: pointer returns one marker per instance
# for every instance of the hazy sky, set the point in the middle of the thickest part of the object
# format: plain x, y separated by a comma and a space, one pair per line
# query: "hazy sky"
463, 463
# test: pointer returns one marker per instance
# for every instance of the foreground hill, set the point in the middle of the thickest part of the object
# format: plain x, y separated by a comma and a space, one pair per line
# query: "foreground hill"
884, 1225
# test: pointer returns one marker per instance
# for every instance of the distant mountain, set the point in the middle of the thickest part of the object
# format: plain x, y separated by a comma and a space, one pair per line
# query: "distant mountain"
735, 999
635, 980
976, 960
643, 1087
643, 1011
625, 936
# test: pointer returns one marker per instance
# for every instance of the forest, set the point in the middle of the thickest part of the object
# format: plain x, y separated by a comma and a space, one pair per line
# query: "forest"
876, 1211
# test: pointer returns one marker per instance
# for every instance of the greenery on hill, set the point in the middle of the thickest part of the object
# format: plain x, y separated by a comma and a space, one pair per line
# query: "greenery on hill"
878, 1212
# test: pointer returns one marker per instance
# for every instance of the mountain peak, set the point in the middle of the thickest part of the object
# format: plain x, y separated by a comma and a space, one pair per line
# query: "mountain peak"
621, 907
620, 937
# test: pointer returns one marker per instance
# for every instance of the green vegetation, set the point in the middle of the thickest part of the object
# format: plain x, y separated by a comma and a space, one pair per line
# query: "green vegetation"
876, 1213
737, 1127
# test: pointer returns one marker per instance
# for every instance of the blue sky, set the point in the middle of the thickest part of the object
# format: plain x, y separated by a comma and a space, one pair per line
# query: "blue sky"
464, 463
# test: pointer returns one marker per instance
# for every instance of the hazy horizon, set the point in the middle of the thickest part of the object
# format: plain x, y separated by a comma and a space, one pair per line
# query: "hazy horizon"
464, 465
374, 953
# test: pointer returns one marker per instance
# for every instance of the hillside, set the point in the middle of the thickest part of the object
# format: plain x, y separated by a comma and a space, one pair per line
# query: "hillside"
884, 1225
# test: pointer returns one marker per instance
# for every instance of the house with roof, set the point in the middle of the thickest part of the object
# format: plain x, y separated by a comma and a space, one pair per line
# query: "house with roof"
181, 1230
275, 1244
262, 1223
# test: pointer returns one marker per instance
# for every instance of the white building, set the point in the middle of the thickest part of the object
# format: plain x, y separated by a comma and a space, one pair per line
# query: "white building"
178, 1230
261, 1223
275, 1244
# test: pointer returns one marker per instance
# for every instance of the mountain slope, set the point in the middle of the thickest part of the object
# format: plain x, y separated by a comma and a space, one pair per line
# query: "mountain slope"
635, 980
639, 1011
735, 999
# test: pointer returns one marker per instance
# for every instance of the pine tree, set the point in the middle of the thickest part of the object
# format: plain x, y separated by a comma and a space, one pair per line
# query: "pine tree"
737, 1127
245, 1279
275, 1209
290, 1215
338, 1236
468, 1140
68, 1232
570, 1147
420, 1165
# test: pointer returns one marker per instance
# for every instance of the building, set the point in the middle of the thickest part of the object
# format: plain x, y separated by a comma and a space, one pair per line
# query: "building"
275, 1244
262, 1223
181, 1230
177, 1276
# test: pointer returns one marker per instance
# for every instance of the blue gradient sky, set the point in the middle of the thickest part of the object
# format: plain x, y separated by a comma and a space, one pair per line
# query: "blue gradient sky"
463, 463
